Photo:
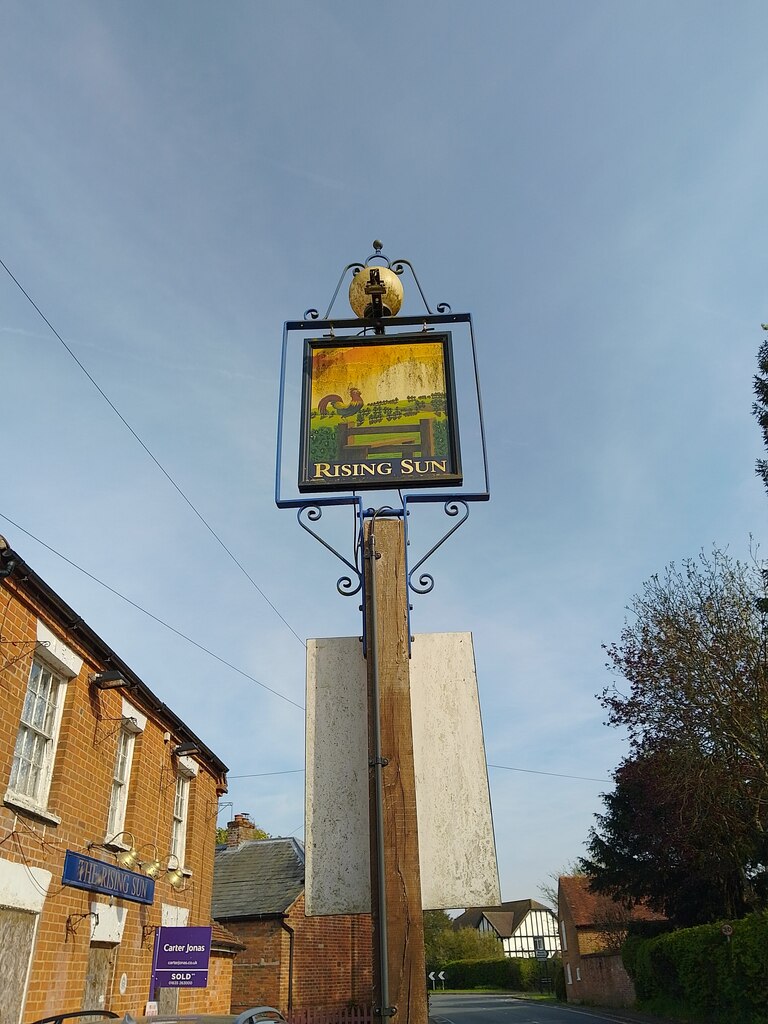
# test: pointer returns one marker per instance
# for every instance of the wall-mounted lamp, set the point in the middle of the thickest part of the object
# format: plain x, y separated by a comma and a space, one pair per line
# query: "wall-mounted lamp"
175, 874
126, 858
153, 867
111, 680
185, 749
129, 857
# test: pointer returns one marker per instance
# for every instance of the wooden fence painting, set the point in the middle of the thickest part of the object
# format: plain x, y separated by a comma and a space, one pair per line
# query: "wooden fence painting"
423, 443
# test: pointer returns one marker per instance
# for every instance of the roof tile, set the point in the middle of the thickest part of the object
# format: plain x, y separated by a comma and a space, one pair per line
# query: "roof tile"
258, 878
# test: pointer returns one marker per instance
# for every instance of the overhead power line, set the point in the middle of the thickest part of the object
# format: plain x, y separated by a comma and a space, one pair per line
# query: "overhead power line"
503, 767
260, 775
151, 615
247, 675
156, 461
556, 775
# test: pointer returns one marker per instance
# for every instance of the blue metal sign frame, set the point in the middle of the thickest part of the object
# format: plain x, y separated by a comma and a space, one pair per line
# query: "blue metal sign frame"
317, 327
310, 508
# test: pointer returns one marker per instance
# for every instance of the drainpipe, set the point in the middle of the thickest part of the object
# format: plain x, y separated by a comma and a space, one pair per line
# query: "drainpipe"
291, 936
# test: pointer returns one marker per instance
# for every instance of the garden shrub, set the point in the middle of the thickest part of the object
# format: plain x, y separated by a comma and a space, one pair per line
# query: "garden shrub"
517, 975
698, 973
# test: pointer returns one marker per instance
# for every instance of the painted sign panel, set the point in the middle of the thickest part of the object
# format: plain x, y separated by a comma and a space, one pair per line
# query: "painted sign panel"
181, 957
379, 412
97, 876
457, 852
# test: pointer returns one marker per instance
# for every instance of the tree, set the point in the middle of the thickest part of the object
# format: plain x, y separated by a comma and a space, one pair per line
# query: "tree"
760, 406
444, 943
679, 834
549, 888
695, 658
436, 922
685, 826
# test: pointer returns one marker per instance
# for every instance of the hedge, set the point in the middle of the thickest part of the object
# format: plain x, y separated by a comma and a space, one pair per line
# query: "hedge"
517, 975
699, 974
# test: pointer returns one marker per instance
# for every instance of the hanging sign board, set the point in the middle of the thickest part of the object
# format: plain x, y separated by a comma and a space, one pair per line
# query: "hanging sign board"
379, 412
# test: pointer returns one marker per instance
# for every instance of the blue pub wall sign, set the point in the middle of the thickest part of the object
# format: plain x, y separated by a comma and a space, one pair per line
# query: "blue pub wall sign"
97, 876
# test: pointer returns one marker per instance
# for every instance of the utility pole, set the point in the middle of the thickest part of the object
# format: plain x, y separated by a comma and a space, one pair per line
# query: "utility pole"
399, 966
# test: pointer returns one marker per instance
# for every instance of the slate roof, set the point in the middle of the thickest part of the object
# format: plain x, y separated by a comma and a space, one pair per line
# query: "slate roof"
505, 918
258, 878
588, 907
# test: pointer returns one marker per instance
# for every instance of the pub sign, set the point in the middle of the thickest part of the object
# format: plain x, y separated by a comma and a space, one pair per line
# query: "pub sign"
379, 412
97, 876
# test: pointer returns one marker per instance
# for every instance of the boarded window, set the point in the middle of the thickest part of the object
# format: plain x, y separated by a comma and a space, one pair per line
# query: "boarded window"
17, 934
101, 959
167, 1000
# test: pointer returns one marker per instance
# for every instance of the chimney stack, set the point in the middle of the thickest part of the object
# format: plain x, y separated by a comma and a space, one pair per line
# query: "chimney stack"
239, 830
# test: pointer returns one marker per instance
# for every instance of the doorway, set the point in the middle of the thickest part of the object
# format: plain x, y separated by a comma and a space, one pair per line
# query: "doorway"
98, 979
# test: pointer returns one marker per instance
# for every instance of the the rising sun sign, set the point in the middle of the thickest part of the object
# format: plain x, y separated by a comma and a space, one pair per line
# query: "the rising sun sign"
379, 413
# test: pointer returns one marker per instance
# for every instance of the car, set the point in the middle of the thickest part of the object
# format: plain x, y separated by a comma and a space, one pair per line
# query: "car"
256, 1015
86, 1016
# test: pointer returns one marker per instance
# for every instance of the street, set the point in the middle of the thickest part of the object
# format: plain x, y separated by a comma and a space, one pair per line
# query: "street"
502, 1009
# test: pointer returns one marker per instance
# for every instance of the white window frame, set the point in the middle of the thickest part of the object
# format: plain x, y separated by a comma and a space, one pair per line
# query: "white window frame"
564, 935
186, 770
38, 731
568, 975
43, 735
578, 974
132, 726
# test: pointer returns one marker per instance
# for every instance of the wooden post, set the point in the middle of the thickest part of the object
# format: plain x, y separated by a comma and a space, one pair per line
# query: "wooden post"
404, 980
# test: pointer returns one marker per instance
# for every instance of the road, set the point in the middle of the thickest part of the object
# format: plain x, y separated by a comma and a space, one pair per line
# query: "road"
489, 1009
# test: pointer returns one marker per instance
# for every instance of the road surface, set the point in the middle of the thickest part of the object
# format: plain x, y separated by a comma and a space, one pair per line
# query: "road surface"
501, 1009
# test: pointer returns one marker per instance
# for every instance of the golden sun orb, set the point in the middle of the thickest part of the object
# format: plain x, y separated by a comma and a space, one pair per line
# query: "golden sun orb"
361, 301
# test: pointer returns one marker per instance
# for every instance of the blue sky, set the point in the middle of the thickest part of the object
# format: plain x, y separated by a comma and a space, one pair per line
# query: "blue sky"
588, 180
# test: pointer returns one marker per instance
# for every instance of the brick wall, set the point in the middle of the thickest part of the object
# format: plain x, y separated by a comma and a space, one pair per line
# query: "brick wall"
215, 998
596, 977
260, 973
604, 981
79, 795
332, 961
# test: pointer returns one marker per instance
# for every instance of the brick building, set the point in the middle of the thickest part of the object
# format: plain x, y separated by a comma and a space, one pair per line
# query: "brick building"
592, 930
291, 961
108, 809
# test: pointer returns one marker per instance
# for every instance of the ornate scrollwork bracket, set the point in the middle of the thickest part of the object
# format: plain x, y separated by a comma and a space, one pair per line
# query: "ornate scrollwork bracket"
396, 266
347, 586
425, 582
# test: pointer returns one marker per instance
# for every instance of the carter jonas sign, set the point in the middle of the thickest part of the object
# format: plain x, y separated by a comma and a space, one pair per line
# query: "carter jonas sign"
379, 413
181, 957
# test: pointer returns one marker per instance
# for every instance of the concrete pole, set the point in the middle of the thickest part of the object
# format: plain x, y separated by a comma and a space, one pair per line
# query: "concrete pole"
399, 968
